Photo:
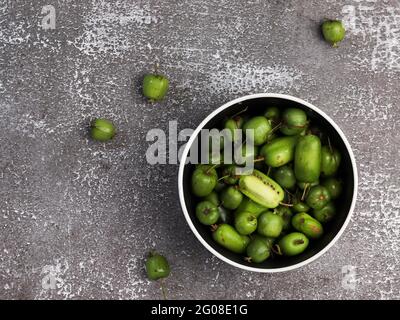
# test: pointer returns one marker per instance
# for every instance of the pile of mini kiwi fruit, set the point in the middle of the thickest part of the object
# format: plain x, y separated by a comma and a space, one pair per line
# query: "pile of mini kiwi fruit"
282, 204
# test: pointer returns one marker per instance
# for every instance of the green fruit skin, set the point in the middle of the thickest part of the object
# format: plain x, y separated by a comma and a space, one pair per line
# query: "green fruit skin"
261, 127
230, 171
204, 179
325, 214
231, 197
290, 131
330, 161
272, 113
334, 187
250, 206
245, 223
307, 159
268, 241
261, 189
233, 125
333, 31
213, 198
306, 224
294, 121
302, 185
270, 224
157, 267
293, 244
279, 151
203, 166
229, 238
102, 130
285, 177
207, 213
318, 197
286, 215
155, 86
300, 207
225, 216
258, 250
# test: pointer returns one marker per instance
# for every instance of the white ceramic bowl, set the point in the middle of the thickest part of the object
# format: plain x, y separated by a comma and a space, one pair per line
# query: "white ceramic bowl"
256, 103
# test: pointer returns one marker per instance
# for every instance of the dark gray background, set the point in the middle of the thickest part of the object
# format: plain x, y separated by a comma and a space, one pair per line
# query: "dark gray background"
87, 212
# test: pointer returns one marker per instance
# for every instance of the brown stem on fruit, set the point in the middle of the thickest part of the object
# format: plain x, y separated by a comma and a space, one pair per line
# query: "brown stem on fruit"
296, 195
240, 112
236, 119
304, 191
331, 150
330, 145
286, 204
247, 259
275, 128
214, 227
156, 67
224, 177
212, 167
163, 289
259, 159
276, 249
152, 252
299, 127
291, 194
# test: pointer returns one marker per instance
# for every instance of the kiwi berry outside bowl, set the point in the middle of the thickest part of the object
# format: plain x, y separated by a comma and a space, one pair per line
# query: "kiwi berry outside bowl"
256, 104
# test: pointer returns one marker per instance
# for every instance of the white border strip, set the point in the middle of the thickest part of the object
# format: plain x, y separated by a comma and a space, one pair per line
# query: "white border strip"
186, 152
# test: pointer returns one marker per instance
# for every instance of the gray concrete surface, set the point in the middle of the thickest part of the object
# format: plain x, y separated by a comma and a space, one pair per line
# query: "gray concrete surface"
84, 214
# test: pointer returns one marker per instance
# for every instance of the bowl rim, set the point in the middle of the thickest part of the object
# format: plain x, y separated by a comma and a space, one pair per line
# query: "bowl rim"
183, 163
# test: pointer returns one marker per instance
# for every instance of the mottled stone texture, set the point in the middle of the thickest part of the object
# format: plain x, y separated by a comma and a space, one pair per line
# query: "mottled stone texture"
87, 212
